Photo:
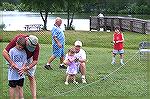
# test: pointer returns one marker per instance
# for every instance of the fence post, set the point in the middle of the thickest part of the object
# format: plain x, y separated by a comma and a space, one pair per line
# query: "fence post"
120, 24
112, 24
98, 24
143, 27
105, 24
131, 26
90, 24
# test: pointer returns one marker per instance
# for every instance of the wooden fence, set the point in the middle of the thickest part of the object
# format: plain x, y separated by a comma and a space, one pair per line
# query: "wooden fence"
125, 23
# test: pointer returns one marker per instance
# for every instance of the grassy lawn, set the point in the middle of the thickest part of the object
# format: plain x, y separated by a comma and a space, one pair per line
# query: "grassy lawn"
128, 81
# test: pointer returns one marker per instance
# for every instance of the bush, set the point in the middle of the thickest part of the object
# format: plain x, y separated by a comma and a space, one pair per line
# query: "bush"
2, 26
8, 7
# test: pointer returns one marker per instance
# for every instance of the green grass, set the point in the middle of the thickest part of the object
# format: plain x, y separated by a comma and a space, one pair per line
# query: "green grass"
89, 39
130, 81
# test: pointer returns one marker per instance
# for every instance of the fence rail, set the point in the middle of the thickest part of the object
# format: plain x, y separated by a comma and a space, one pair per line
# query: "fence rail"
125, 23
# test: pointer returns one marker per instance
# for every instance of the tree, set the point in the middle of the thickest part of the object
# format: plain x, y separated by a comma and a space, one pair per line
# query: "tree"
43, 6
72, 7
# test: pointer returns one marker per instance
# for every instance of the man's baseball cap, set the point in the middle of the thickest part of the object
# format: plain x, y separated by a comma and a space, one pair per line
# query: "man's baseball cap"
78, 43
32, 42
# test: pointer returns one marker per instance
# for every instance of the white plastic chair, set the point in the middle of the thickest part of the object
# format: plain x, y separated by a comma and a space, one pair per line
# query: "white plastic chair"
144, 50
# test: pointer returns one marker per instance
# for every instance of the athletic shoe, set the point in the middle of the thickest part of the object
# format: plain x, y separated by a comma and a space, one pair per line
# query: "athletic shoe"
63, 67
113, 62
66, 83
83, 80
75, 82
121, 63
48, 67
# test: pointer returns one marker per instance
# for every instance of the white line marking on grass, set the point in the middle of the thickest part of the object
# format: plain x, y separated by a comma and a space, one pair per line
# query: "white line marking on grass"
95, 81
120, 66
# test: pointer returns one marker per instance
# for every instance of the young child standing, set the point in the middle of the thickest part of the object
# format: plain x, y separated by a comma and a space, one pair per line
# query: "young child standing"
118, 40
19, 57
72, 68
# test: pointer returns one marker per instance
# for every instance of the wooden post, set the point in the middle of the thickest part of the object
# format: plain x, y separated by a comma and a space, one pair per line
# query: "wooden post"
143, 27
90, 24
120, 24
131, 26
112, 24
98, 24
105, 24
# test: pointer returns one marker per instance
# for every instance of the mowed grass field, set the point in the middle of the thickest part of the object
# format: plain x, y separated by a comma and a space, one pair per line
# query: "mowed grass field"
128, 81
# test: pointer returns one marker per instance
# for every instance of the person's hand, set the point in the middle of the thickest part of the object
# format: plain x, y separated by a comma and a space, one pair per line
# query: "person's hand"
22, 70
59, 45
14, 66
71, 59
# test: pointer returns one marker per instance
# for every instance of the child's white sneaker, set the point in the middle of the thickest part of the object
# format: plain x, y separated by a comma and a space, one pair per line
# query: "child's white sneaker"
113, 62
83, 80
66, 83
121, 63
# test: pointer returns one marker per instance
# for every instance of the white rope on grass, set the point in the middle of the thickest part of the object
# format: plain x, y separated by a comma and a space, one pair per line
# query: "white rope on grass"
120, 66
95, 81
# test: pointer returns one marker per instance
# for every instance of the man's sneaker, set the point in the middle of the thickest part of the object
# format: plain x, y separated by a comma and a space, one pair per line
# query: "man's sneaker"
63, 67
48, 67
66, 83
113, 62
83, 80
75, 82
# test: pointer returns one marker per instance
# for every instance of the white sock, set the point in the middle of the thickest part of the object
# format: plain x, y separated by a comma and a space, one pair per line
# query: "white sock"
47, 64
121, 60
83, 76
113, 59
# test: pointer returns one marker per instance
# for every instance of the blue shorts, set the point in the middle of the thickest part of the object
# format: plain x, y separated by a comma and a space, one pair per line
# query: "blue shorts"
118, 51
58, 52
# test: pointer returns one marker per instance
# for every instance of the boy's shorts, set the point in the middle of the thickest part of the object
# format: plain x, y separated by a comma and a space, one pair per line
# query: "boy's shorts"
31, 72
14, 83
118, 51
58, 52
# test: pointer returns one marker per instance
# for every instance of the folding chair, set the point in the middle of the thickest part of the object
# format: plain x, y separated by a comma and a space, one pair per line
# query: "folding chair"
144, 50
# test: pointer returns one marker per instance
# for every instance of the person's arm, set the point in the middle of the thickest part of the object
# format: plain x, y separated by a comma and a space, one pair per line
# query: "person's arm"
114, 39
8, 59
57, 41
82, 58
66, 62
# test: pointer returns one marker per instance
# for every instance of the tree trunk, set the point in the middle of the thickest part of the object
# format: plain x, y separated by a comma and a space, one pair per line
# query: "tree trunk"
44, 19
68, 17
72, 28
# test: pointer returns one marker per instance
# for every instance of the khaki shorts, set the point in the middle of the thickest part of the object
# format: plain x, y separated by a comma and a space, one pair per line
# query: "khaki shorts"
31, 72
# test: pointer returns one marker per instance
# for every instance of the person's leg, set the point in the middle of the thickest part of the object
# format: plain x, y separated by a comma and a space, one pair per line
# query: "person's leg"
12, 88
33, 86
61, 63
83, 71
20, 92
113, 56
17, 92
121, 52
20, 83
61, 55
121, 59
50, 59
61, 59
67, 78
11, 92
48, 65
